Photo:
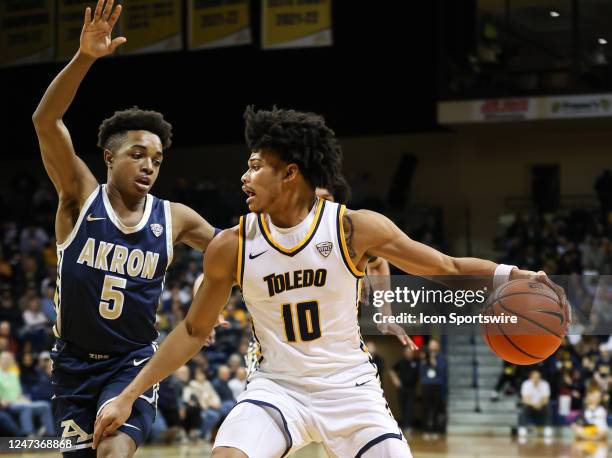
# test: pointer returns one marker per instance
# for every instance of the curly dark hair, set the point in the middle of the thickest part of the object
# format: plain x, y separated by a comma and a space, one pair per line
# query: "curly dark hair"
340, 189
300, 138
113, 130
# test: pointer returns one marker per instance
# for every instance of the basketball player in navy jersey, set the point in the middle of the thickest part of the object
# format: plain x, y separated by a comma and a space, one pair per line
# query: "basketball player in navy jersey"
298, 260
115, 242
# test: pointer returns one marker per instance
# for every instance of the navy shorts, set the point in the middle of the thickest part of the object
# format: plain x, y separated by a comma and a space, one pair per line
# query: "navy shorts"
85, 382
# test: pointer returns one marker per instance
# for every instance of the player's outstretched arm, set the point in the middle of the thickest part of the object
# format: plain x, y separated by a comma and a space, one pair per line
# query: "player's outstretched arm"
69, 174
187, 338
376, 235
368, 233
190, 228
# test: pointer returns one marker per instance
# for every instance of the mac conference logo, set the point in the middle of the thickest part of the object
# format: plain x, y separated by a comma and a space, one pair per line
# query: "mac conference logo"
325, 248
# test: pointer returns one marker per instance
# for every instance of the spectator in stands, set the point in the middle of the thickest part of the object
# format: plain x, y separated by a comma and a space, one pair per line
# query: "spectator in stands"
223, 390
433, 386
593, 424
170, 410
12, 398
209, 400
376, 358
43, 389
507, 377
9, 310
8, 427
48, 302
190, 411
35, 325
405, 377
238, 383
603, 365
234, 362
535, 396
6, 331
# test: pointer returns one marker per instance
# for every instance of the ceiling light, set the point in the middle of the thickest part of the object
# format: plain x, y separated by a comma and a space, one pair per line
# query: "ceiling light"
602, 41
555, 14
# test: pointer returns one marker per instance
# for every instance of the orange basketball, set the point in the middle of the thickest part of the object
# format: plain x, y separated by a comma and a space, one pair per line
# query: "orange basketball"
541, 322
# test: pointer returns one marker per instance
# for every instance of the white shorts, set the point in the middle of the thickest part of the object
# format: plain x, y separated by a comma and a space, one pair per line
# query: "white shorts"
347, 420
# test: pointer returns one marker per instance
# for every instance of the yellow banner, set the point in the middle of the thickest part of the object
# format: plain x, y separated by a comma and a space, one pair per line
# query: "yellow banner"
218, 23
69, 25
151, 26
26, 31
296, 23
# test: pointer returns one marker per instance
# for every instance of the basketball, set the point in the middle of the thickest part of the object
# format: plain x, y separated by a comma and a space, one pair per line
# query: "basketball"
540, 327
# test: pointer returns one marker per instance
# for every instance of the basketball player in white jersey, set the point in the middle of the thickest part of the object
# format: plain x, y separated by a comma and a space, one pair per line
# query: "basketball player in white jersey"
378, 270
298, 260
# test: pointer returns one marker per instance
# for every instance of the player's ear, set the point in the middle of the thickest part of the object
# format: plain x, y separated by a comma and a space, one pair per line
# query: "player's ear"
109, 157
291, 172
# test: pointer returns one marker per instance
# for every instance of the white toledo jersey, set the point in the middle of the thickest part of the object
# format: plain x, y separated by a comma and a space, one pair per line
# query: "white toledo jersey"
303, 298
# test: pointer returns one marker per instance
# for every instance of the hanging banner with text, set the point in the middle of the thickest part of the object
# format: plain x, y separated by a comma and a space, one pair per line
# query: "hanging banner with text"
218, 23
26, 31
151, 26
296, 23
71, 14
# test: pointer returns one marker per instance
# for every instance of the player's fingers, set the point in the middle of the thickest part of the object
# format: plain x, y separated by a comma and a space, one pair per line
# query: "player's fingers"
98, 11
113, 19
87, 20
98, 431
110, 429
116, 43
107, 10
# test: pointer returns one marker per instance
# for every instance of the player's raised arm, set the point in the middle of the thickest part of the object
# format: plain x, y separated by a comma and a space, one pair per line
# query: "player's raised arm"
190, 228
187, 338
69, 174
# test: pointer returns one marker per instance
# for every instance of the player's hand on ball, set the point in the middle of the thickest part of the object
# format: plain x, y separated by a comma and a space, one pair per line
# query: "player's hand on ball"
541, 277
113, 415
96, 34
398, 331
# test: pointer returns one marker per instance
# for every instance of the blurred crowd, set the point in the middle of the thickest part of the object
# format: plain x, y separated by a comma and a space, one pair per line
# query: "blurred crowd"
574, 386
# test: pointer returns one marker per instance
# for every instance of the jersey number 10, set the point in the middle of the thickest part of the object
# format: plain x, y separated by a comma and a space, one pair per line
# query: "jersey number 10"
308, 318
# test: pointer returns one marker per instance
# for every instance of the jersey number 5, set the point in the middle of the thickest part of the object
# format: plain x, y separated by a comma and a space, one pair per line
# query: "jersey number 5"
309, 321
108, 310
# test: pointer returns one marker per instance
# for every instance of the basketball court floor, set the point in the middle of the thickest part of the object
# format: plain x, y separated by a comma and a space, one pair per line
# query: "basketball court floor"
449, 447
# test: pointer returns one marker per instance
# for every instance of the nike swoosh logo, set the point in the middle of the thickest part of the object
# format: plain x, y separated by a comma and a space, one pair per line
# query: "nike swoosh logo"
251, 256
139, 362
93, 218
361, 384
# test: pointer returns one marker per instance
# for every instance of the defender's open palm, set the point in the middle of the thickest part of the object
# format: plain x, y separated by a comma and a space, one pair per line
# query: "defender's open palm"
96, 34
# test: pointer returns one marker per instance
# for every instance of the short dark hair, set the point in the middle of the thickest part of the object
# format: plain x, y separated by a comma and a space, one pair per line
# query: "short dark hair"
113, 129
301, 138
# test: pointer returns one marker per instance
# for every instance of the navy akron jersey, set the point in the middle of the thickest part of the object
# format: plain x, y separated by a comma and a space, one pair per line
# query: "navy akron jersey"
110, 276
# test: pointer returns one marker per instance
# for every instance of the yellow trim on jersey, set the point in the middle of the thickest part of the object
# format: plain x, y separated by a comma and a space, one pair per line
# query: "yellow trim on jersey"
345, 251
306, 238
240, 251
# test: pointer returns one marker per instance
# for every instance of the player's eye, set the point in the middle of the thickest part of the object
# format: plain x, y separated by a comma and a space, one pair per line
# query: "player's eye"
157, 163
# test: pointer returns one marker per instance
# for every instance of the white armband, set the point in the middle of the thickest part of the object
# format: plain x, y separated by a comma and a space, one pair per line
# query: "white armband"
502, 275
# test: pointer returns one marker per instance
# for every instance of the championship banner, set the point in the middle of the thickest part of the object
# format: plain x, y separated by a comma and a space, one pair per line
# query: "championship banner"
26, 31
296, 23
151, 26
71, 14
218, 23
